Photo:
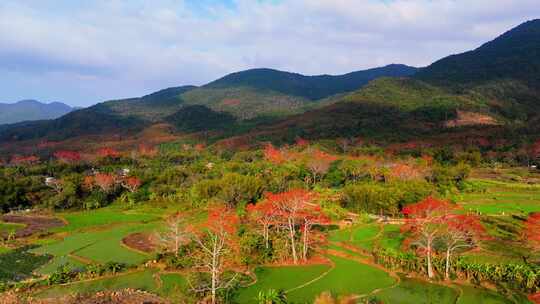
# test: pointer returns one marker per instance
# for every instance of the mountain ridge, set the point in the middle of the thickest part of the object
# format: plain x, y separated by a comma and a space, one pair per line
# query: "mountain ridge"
31, 110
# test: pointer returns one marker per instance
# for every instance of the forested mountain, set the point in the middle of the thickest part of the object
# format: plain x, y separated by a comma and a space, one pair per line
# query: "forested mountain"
495, 85
244, 95
27, 110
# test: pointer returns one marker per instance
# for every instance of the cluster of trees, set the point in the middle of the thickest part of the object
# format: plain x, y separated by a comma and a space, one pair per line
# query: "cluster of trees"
432, 225
215, 249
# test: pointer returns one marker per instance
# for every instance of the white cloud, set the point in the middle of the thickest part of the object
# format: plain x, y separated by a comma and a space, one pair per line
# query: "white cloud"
93, 50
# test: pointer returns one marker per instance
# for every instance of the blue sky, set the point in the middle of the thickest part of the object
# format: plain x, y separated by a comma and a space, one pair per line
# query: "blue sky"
83, 52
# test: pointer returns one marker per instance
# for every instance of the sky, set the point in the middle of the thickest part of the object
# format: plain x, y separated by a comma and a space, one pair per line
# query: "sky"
87, 51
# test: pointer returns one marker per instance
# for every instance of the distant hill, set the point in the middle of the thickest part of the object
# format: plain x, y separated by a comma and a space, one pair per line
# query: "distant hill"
268, 92
505, 70
513, 55
497, 84
309, 87
28, 110
496, 87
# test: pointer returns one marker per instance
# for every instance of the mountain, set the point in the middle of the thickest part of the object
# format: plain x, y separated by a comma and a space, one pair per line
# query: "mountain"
309, 87
514, 55
28, 110
268, 92
505, 70
245, 95
496, 86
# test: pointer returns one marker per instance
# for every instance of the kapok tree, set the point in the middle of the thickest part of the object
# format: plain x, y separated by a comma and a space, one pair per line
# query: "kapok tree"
424, 223
216, 241
531, 230
265, 215
108, 153
310, 216
132, 183
461, 232
67, 156
318, 163
273, 155
24, 160
175, 234
147, 151
105, 181
535, 298
289, 207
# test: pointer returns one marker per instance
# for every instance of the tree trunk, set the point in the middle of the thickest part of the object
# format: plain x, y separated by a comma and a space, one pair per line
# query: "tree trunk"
291, 236
266, 236
214, 271
429, 266
305, 245
447, 270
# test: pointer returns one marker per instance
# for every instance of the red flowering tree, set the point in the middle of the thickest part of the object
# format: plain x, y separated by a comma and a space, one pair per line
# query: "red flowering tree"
300, 142
216, 242
263, 214
24, 160
67, 156
461, 232
318, 163
310, 216
147, 151
108, 153
132, 184
425, 222
106, 182
88, 183
532, 230
535, 298
290, 207
273, 155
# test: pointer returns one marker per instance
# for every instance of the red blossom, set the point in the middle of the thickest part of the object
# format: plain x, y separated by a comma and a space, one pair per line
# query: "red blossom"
300, 142
147, 151
532, 230
67, 156
132, 183
535, 298
222, 220
105, 181
24, 160
274, 155
108, 152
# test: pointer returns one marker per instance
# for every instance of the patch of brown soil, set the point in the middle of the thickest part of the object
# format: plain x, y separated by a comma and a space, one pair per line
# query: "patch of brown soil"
33, 224
470, 119
139, 241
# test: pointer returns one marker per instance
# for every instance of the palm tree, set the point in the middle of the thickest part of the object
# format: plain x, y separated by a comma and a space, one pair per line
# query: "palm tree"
272, 296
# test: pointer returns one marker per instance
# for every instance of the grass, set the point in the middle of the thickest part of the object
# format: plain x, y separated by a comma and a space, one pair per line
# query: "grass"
143, 280
362, 236
391, 237
99, 246
280, 278
173, 285
411, 291
6, 228
104, 216
474, 295
56, 262
348, 277
496, 197
19, 264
